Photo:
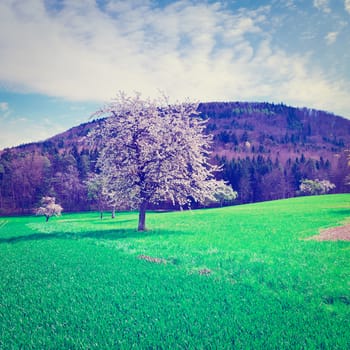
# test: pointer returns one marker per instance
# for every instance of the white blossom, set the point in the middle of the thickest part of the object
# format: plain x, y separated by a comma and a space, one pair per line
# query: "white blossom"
153, 151
315, 187
49, 208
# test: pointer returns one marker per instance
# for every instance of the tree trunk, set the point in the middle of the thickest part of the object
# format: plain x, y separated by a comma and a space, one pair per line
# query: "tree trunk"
113, 213
142, 216
47, 218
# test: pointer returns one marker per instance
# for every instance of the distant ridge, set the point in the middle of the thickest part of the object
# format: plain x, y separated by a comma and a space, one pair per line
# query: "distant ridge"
266, 150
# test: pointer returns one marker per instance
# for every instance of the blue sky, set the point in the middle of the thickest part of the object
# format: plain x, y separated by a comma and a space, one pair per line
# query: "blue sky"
62, 59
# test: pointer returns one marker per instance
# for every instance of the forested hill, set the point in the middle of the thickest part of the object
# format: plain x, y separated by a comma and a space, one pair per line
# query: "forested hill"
263, 128
266, 150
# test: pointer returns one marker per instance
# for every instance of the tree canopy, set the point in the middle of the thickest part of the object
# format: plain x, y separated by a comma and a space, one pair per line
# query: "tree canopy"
49, 208
154, 151
315, 187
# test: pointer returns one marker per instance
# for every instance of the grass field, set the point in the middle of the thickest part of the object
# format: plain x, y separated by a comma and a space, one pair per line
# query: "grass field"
231, 278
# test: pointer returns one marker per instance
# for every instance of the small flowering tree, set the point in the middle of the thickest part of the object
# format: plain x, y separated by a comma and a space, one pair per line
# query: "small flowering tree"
347, 179
49, 208
225, 193
95, 192
315, 187
102, 194
154, 151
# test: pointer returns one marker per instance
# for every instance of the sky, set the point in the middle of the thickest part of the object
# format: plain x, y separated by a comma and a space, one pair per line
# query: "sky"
61, 60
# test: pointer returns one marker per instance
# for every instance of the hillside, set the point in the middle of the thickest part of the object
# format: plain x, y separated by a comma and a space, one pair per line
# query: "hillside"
266, 149
286, 132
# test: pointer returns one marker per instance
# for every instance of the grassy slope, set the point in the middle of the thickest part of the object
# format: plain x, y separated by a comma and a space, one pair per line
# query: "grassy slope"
76, 282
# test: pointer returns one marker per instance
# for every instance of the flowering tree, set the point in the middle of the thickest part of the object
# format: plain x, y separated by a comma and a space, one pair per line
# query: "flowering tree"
95, 192
153, 151
315, 187
225, 193
49, 208
347, 179
102, 194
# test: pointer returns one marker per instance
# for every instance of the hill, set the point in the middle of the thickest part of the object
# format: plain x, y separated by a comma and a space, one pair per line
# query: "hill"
243, 277
243, 129
266, 149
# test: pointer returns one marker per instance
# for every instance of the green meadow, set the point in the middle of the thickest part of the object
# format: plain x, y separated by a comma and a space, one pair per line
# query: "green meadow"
240, 277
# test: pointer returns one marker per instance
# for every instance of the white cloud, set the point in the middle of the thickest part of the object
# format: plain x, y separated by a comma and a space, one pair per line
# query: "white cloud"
347, 5
4, 112
322, 5
290, 4
24, 130
186, 49
83, 53
4, 106
331, 37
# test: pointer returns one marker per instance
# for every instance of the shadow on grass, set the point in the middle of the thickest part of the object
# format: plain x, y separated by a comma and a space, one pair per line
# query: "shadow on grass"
106, 234
103, 221
341, 211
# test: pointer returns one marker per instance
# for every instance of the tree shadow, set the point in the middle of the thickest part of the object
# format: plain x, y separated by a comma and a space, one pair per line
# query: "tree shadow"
341, 211
98, 220
116, 234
